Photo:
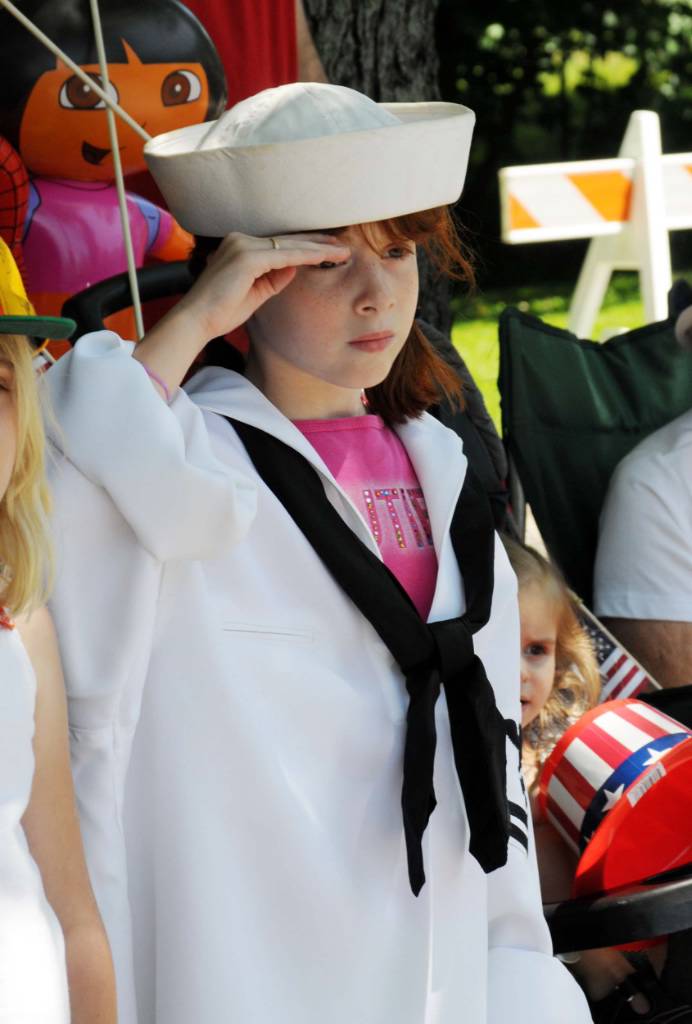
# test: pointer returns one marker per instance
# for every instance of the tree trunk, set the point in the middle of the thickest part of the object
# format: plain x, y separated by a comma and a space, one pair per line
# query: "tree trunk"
386, 49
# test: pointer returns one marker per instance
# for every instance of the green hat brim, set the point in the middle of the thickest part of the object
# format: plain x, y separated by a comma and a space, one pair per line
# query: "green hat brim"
57, 327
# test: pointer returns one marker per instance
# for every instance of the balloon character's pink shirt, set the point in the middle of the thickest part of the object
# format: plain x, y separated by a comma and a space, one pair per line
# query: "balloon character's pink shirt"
370, 463
74, 238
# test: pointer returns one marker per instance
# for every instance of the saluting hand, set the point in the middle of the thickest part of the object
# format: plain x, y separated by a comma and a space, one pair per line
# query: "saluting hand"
246, 271
239, 277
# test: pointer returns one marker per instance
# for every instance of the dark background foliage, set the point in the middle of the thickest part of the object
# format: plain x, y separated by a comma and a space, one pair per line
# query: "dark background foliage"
557, 81
549, 80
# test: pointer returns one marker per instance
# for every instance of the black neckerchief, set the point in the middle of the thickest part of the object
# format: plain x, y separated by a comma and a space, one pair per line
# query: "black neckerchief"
428, 654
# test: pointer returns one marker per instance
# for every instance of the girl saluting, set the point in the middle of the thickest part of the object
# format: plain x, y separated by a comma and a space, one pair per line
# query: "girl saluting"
283, 641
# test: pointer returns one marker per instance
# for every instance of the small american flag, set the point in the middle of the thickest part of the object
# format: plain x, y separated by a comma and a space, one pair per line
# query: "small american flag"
621, 674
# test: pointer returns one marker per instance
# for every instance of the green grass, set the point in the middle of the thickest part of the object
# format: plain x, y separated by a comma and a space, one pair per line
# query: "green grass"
476, 318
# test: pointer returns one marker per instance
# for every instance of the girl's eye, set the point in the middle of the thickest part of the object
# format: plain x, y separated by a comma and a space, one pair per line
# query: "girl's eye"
76, 94
329, 264
535, 650
399, 252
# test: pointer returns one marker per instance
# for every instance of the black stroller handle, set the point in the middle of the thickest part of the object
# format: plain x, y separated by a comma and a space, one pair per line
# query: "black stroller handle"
90, 307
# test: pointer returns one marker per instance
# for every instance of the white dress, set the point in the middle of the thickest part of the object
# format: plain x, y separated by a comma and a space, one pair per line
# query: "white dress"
33, 978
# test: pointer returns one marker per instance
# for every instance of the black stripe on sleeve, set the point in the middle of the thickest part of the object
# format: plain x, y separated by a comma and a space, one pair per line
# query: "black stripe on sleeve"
521, 837
517, 811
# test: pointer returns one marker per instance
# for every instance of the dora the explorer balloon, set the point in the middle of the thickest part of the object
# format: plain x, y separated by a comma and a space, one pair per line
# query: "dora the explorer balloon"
164, 71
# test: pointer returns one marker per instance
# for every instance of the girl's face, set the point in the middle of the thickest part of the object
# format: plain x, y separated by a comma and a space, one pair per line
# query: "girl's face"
336, 328
8, 425
539, 625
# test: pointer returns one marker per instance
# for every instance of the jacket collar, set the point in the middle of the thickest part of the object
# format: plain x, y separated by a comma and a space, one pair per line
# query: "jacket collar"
435, 451
230, 394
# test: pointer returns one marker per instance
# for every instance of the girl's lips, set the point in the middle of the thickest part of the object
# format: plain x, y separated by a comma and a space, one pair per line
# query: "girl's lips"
372, 342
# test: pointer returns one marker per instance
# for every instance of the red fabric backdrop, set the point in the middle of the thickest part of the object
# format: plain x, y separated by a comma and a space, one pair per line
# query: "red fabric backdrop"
256, 40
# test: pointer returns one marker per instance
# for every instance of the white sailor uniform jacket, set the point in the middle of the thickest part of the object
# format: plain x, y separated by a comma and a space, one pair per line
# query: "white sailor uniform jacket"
237, 730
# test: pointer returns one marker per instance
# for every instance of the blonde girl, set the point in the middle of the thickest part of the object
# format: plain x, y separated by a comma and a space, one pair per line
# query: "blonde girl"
55, 964
24, 539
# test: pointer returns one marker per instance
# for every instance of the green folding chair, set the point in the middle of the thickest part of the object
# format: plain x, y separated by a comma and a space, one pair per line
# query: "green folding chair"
571, 410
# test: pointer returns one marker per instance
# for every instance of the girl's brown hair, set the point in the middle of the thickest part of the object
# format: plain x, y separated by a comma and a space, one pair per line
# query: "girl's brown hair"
419, 376
25, 550
577, 682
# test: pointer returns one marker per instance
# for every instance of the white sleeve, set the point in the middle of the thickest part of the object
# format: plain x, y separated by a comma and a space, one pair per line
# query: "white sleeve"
138, 485
104, 605
526, 984
155, 461
643, 565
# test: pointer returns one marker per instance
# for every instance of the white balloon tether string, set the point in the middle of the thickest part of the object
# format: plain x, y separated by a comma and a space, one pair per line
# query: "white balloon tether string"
119, 180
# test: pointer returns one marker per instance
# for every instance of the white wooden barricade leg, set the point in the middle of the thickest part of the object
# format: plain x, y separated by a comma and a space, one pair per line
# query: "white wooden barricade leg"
642, 244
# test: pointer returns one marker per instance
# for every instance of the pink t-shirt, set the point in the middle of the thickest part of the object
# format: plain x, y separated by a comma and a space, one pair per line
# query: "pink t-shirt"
370, 463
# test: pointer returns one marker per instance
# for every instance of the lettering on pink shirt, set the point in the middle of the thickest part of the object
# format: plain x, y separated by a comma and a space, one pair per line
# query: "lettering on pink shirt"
415, 514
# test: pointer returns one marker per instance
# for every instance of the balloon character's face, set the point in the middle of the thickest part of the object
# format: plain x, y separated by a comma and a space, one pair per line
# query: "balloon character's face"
64, 127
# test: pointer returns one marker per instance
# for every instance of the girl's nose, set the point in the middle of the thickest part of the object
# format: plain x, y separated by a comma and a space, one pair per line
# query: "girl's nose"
374, 294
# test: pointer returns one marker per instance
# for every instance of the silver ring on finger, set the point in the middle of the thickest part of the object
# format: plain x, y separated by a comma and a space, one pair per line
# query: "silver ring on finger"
274, 242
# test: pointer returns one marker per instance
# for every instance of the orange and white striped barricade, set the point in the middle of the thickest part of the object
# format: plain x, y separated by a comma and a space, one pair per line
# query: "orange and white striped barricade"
626, 205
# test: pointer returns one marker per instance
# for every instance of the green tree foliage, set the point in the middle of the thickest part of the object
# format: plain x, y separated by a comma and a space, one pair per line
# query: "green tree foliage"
557, 81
